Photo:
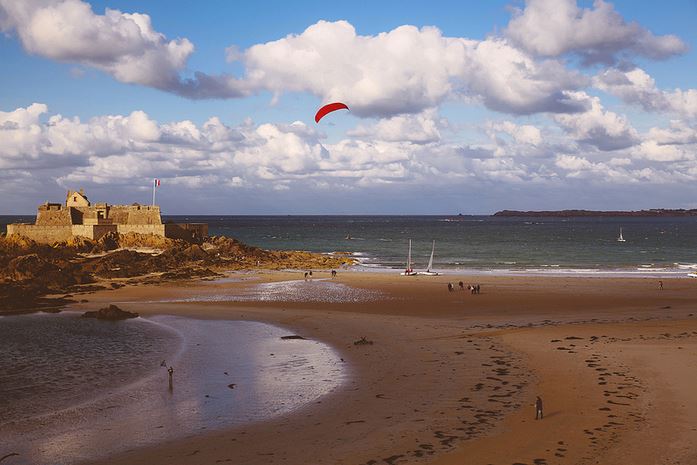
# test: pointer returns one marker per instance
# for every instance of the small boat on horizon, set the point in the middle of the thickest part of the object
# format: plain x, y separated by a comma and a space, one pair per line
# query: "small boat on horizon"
620, 238
428, 271
409, 271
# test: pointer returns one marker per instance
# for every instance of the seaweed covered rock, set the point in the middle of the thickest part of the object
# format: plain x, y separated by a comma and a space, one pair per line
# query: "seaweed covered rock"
111, 313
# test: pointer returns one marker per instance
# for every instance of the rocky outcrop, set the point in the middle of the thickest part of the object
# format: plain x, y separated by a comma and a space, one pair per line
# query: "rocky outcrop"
110, 313
30, 271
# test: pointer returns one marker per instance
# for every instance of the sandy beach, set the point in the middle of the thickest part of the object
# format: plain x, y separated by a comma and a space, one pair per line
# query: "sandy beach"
452, 377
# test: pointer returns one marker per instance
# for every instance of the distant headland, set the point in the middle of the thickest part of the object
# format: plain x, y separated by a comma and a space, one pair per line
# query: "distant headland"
581, 213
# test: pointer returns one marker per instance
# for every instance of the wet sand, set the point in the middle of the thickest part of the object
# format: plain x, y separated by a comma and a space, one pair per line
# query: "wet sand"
451, 377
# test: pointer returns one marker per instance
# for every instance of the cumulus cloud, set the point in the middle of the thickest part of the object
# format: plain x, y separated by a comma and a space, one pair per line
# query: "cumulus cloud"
679, 133
124, 152
598, 127
636, 86
599, 34
521, 134
422, 128
124, 45
407, 70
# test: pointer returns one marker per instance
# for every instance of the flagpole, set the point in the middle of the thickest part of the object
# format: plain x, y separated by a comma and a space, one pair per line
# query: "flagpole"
153, 192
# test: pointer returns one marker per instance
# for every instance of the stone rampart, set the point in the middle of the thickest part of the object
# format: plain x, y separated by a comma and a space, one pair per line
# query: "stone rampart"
157, 229
40, 233
53, 215
186, 231
94, 232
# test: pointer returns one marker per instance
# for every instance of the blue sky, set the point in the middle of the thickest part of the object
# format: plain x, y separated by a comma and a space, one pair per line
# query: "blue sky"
479, 106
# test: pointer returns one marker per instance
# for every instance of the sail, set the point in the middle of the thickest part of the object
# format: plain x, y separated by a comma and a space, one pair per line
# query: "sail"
430, 261
409, 257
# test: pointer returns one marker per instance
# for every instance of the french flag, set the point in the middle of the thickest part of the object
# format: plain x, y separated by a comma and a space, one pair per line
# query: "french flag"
156, 182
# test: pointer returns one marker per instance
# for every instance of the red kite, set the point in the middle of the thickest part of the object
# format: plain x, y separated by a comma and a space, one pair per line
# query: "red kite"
328, 108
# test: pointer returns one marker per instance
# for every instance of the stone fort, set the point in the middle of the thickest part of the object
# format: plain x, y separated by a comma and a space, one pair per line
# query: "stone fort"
56, 222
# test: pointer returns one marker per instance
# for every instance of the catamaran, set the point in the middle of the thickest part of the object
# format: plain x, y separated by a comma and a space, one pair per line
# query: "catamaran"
620, 238
428, 271
409, 271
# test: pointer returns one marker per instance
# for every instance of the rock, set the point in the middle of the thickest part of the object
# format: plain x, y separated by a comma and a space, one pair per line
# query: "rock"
111, 313
109, 241
195, 252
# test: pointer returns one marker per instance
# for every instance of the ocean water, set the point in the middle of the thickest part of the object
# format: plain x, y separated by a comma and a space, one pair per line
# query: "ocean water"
476, 243
73, 389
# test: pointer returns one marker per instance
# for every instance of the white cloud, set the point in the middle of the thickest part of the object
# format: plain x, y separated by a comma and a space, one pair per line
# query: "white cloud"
678, 133
598, 127
521, 134
421, 128
638, 87
407, 70
122, 44
122, 153
598, 34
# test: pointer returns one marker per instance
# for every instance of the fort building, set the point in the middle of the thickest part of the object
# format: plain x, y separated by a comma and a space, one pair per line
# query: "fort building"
57, 222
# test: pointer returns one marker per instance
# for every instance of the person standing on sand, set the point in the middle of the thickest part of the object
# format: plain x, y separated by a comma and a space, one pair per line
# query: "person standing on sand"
170, 371
462, 285
660, 285
478, 288
538, 408
450, 287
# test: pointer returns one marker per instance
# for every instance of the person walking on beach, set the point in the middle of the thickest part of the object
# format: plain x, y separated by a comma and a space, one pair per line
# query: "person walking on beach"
660, 285
478, 288
333, 273
538, 408
462, 285
473, 288
170, 371
450, 287
306, 276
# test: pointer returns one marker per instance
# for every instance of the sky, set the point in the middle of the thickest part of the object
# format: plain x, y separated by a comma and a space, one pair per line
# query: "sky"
455, 107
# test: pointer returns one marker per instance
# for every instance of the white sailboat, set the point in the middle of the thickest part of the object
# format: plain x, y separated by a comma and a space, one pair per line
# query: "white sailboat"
620, 238
409, 271
428, 271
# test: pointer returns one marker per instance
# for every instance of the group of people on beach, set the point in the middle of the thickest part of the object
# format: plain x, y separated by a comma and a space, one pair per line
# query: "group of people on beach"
474, 289
308, 274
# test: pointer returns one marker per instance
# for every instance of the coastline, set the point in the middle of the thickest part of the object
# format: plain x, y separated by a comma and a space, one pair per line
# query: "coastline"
419, 329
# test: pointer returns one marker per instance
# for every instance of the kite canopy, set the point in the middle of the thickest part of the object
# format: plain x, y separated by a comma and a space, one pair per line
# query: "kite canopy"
328, 108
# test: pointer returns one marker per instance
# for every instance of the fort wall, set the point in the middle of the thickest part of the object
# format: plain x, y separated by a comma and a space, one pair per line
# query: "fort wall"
157, 229
186, 231
41, 233
93, 232
53, 215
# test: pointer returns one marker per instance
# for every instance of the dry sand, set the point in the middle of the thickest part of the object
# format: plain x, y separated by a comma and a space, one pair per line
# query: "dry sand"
451, 377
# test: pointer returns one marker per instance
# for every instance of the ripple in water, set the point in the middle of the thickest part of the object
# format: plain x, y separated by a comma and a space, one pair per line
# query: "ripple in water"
50, 362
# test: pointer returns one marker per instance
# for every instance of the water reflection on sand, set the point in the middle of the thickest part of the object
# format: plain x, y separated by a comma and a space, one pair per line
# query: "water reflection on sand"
312, 290
227, 373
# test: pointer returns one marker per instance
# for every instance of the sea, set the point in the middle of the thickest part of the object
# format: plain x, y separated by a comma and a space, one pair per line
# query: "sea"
653, 246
